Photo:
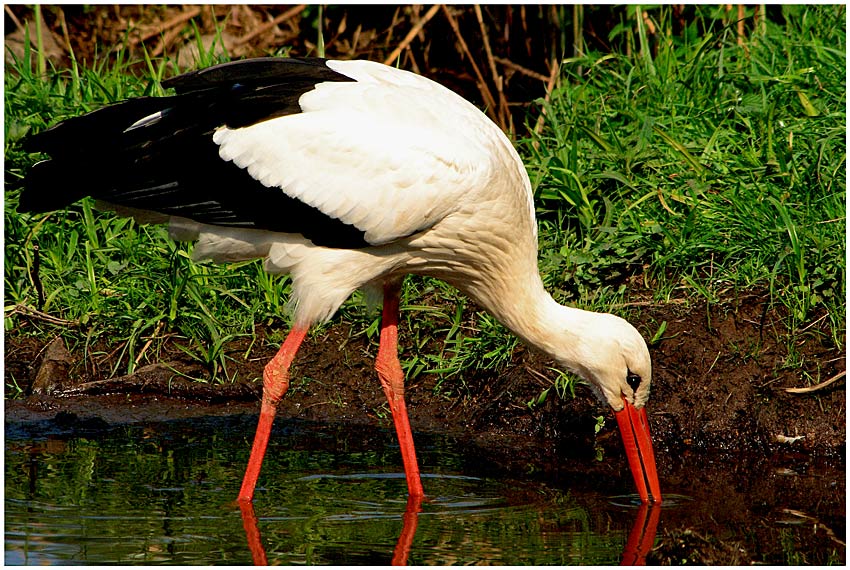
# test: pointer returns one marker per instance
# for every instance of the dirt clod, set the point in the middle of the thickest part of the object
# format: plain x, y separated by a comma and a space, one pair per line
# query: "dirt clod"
53, 374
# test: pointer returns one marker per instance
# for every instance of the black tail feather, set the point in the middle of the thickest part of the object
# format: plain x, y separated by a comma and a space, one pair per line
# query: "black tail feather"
50, 185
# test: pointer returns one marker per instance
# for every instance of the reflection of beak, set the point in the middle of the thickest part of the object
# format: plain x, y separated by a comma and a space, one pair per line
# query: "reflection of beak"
634, 427
642, 536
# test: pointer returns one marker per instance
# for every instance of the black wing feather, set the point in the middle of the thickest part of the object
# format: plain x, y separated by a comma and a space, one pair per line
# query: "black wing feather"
157, 153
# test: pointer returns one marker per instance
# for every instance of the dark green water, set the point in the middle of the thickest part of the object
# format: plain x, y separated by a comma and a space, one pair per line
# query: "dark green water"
160, 493
336, 495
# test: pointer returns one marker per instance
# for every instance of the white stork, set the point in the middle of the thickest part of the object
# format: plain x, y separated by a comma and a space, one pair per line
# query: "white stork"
346, 175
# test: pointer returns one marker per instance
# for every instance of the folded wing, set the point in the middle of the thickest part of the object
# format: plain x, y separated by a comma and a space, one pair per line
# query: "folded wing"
347, 154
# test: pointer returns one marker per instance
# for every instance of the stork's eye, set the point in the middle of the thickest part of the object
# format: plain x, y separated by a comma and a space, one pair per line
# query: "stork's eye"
633, 380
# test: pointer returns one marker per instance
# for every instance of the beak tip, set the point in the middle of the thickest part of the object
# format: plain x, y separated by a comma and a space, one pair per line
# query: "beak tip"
634, 429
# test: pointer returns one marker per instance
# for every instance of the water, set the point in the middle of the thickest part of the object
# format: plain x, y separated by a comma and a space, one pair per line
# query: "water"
160, 493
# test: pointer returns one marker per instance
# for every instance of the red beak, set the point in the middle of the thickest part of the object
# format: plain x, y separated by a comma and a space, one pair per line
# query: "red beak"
634, 427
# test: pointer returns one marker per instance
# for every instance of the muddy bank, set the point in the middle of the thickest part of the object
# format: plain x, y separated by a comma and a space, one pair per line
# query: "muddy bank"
719, 383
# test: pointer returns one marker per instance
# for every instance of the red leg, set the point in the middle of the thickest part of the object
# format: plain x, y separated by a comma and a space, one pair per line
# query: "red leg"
392, 379
275, 384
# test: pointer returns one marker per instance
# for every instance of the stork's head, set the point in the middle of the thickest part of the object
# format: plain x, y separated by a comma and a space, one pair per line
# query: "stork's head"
613, 357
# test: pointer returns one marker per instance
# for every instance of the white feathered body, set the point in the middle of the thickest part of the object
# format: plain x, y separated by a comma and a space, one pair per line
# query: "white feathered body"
386, 154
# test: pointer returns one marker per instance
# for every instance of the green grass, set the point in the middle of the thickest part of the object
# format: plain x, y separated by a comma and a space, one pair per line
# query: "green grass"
719, 167
706, 167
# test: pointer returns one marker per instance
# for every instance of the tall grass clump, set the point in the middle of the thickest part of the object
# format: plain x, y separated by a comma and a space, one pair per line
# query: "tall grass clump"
114, 289
705, 160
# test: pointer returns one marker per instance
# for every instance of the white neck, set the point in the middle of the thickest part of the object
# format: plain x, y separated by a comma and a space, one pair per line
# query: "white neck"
521, 303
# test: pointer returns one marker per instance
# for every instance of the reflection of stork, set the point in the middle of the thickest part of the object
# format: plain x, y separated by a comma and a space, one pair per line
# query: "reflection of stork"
640, 540
345, 175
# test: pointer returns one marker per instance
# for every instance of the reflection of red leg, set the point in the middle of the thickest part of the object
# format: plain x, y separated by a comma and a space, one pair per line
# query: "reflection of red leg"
392, 379
408, 530
275, 384
252, 533
649, 531
642, 535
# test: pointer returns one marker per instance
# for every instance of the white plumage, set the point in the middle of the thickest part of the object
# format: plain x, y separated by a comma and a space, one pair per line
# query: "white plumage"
390, 170
408, 176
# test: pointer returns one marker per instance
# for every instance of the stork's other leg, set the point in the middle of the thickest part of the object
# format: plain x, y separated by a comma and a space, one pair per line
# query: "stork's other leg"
275, 384
392, 379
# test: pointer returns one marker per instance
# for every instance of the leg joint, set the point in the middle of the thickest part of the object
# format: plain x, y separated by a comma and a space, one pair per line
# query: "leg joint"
275, 383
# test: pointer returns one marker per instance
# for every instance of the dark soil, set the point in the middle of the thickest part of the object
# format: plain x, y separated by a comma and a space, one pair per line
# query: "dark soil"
720, 375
